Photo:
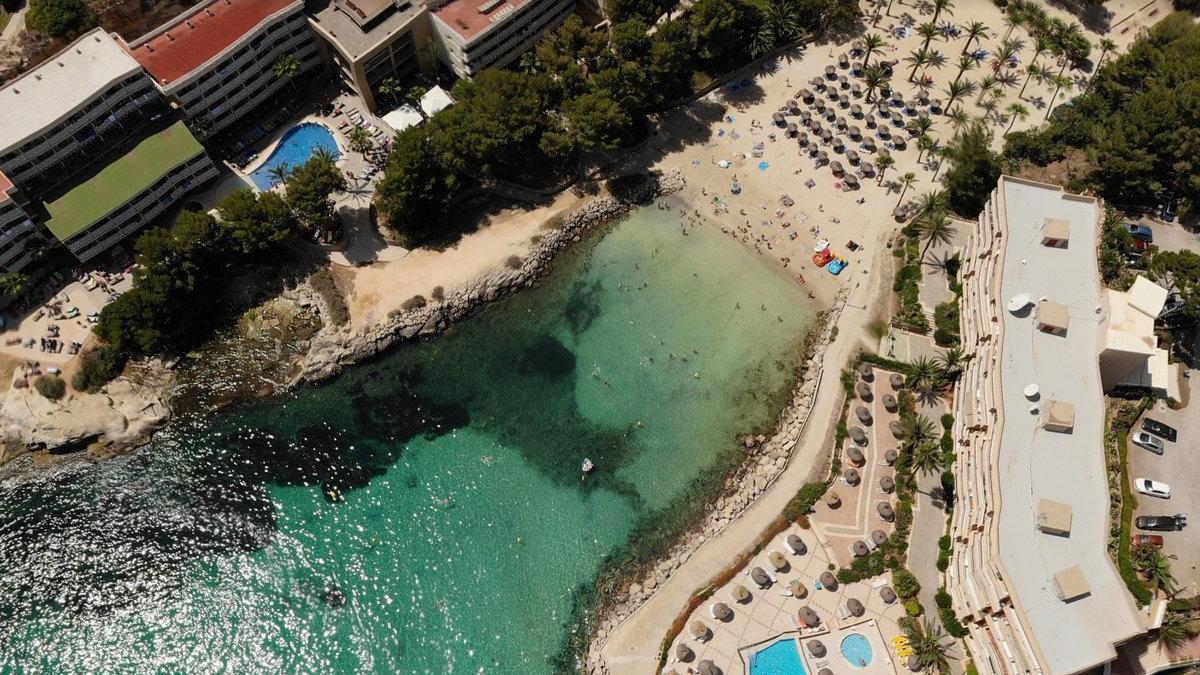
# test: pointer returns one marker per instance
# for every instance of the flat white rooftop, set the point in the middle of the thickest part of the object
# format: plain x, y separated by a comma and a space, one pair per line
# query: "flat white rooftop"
1037, 464
64, 83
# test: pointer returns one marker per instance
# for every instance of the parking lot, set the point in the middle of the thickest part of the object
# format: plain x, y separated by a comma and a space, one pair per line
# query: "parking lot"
1177, 468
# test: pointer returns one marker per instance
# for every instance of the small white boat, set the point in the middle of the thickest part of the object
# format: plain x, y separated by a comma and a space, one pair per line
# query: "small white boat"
587, 465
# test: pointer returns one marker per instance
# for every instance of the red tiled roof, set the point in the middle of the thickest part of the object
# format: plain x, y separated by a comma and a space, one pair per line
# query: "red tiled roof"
193, 39
464, 17
6, 187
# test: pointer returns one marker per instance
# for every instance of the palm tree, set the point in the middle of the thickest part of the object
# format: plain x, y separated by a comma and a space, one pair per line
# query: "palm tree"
926, 458
951, 361
780, 25
965, 63
286, 68
940, 6
1015, 111
928, 31
957, 90
873, 78
925, 143
1007, 78
928, 202
1014, 15
941, 154
1176, 630
429, 53
985, 85
920, 126
1059, 82
1157, 569
392, 88
1106, 46
935, 228
884, 163
323, 155
918, 58
1007, 51
359, 138
925, 640
916, 431
1040, 46
959, 119
280, 173
936, 60
1033, 72
906, 181
975, 30
871, 42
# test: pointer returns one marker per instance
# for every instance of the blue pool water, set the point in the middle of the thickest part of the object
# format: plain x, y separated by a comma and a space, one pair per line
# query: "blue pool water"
781, 658
857, 650
294, 149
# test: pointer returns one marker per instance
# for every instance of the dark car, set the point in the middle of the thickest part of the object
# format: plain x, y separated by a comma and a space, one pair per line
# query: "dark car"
1151, 539
1159, 429
1140, 232
1161, 523
1170, 209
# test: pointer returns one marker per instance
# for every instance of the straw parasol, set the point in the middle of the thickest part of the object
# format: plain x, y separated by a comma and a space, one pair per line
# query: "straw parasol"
808, 617
831, 72
792, 129
913, 663
887, 594
816, 648
819, 106
844, 101
897, 97
802, 138
859, 549
721, 611
886, 483
863, 389
822, 156
866, 372
869, 120
854, 132
851, 180
739, 593
868, 169
851, 476
856, 89
824, 671
869, 144
684, 652
791, 104
839, 144
759, 576
707, 667
832, 92
817, 82
698, 630
856, 110
827, 135
844, 59
798, 589
840, 122
884, 133
805, 116
896, 428
828, 581
890, 456
797, 544
935, 105
852, 157
889, 402
885, 511
896, 380
878, 537
777, 118
805, 94
863, 415
899, 142
836, 167
855, 456
856, 608
779, 562
833, 500
858, 435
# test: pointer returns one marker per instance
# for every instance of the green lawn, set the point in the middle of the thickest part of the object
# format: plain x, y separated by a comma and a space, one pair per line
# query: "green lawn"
121, 181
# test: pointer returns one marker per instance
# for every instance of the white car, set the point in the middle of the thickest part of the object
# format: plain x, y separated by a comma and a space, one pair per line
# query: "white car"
1152, 488
1151, 443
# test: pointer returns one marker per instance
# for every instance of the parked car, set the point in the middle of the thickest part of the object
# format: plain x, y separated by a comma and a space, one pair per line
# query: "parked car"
1161, 523
1159, 429
1151, 539
1151, 443
1170, 209
1141, 232
1140, 246
1152, 488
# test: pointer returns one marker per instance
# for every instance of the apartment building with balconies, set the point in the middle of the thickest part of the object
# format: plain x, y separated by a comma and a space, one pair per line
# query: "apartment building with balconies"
216, 61
66, 116
478, 34
20, 237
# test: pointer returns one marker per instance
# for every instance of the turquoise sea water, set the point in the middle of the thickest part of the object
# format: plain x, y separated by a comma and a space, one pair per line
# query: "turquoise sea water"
464, 527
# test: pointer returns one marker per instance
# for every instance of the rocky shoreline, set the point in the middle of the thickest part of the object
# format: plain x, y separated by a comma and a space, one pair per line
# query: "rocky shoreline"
764, 461
335, 348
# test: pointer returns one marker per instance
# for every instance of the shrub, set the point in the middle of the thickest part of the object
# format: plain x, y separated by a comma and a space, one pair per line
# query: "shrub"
951, 623
415, 302
98, 367
943, 561
50, 386
944, 542
512, 262
59, 17
905, 583
912, 607
805, 499
945, 318
947, 421
942, 598
323, 283
438, 293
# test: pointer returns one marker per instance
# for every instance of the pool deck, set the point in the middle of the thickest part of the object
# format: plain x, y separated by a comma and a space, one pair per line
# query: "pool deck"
770, 614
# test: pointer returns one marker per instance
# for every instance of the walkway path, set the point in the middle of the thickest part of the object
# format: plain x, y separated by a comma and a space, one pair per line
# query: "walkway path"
16, 24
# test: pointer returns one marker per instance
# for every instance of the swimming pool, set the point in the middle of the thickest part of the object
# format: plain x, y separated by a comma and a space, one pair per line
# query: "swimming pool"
857, 650
780, 658
294, 149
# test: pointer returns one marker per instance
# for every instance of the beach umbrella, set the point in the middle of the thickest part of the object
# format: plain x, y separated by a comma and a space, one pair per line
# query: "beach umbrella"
910, 107
844, 82
805, 116
889, 402
856, 47
832, 92
863, 414
878, 537
851, 180
831, 72
797, 544
899, 142
856, 88
779, 562
791, 105
819, 106
923, 97
684, 652
884, 133
844, 101
851, 476
913, 663
808, 617
816, 648
856, 68
759, 576
868, 169
721, 611
859, 436
777, 118
827, 135
935, 106
862, 389
798, 589
707, 667
866, 372
890, 456
824, 671
792, 129
856, 110
822, 157
852, 157
843, 59
896, 428
841, 122
896, 380
923, 115
869, 120
897, 98
802, 138
886, 483
856, 608
859, 549
832, 499
805, 94
885, 511
887, 594
817, 82
836, 167
699, 630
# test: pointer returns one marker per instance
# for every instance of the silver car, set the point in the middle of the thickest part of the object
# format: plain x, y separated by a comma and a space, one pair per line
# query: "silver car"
1151, 443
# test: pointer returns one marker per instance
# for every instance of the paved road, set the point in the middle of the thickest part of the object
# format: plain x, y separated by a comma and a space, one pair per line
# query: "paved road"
1177, 468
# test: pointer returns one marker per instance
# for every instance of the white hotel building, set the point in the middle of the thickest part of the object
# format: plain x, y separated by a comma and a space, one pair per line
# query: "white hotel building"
478, 34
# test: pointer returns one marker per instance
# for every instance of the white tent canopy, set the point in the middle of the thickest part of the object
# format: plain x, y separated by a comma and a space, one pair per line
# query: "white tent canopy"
435, 100
402, 118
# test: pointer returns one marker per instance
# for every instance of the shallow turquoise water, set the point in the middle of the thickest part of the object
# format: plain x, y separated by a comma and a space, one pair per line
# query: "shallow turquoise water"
294, 148
464, 527
779, 658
